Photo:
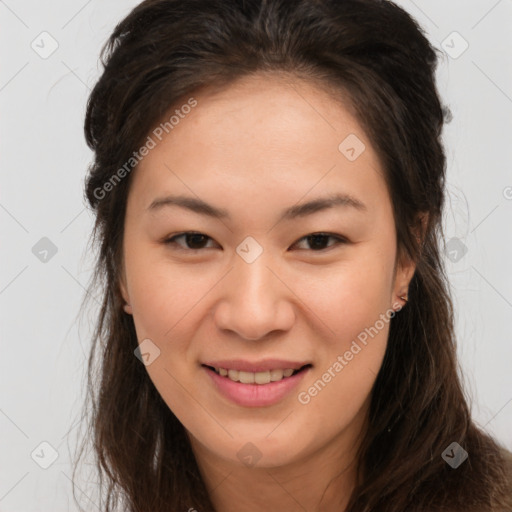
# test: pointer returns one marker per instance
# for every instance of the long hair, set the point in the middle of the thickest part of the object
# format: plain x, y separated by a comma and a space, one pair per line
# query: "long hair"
373, 53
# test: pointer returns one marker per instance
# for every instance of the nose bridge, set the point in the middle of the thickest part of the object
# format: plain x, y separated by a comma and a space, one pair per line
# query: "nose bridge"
254, 282
255, 300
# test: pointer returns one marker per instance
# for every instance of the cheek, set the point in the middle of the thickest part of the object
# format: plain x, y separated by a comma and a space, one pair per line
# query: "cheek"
163, 293
339, 393
349, 359
354, 305
349, 297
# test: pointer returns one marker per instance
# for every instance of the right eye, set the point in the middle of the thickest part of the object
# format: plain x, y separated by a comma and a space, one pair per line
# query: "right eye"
194, 240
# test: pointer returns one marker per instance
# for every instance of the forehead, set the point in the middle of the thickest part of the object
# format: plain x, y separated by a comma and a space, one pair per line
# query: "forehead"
262, 139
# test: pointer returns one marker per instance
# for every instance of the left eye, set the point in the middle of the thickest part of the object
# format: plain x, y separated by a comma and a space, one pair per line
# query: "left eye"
317, 240
196, 241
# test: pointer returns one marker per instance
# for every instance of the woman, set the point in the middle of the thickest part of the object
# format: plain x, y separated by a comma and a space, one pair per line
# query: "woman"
276, 330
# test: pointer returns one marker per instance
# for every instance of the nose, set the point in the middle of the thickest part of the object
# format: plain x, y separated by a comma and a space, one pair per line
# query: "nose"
256, 301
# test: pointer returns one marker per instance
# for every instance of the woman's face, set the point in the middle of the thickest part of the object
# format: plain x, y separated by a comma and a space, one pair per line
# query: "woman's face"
253, 291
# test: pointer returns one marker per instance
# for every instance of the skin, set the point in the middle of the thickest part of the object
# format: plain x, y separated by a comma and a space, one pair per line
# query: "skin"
256, 148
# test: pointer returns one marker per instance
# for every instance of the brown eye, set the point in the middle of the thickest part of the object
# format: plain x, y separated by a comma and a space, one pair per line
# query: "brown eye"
318, 241
193, 241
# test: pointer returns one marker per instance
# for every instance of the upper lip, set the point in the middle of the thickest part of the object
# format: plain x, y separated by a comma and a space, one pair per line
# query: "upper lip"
258, 366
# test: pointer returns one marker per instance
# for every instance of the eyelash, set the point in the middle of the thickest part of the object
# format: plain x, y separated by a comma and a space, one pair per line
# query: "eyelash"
172, 241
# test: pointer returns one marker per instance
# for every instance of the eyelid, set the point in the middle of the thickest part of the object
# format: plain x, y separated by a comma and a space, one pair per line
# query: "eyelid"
171, 240
340, 240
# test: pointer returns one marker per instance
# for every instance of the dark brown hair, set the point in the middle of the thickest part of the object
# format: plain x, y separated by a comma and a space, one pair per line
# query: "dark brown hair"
373, 53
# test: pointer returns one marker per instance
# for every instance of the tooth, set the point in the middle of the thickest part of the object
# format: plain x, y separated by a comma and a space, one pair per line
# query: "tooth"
233, 374
246, 377
262, 377
258, 377
276, 375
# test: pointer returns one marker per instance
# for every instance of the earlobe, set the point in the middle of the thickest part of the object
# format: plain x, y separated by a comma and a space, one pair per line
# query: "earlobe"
400, 299
402, 280
127, 306
407, 266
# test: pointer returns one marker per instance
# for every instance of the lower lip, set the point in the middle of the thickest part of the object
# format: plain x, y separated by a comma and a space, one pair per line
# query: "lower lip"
256, 395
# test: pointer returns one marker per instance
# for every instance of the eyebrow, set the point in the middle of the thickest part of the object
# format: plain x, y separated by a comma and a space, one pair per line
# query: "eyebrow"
301, 210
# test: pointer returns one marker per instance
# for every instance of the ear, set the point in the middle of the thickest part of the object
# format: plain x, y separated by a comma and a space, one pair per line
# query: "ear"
403, 274
124, 293
406, 267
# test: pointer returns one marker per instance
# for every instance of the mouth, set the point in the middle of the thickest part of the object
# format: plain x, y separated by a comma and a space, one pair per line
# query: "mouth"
256, 389
258, 378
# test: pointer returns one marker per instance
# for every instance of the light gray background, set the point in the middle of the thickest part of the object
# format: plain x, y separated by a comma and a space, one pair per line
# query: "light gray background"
43, 162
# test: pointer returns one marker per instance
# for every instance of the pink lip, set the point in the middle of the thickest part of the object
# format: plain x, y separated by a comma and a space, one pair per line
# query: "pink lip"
255, 395
261, 366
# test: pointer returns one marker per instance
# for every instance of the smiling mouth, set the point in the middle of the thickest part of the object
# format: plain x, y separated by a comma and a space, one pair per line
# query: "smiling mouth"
266, 377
